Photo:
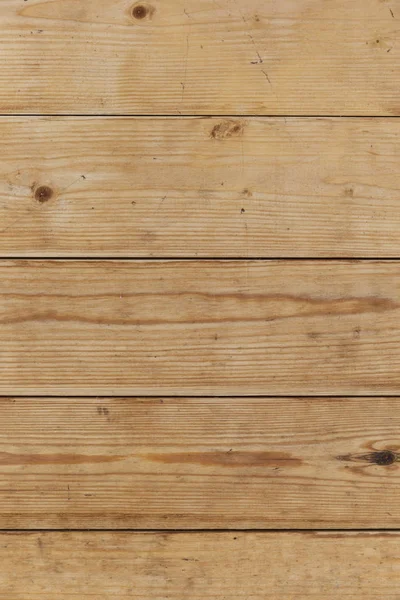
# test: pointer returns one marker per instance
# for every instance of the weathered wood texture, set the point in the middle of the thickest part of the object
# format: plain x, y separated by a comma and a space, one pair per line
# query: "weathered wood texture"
154, 566
199, 327
173, 463
199, 187
200, 57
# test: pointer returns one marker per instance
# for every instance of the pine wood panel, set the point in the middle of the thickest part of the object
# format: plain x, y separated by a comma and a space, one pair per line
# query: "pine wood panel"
296, 57
199, 187
175, 463
199, 327
154, 566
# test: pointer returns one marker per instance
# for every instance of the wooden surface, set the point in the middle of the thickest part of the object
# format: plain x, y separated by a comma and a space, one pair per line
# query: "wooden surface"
199, 187
182, 57
190, 463
199, 327
172, 356
154, 566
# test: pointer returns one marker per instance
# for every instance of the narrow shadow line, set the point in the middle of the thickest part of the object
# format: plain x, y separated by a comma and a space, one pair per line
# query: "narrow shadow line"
195, 116
191, 531
205, 258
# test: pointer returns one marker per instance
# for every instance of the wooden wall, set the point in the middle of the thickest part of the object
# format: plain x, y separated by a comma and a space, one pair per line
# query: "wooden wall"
199, 299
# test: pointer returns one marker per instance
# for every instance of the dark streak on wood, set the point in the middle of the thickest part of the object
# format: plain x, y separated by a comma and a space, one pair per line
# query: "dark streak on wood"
229, 458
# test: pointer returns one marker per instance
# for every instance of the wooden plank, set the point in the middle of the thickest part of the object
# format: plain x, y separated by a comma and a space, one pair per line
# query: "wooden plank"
154, 566
199, 327
199, 187
200, 57
174, 463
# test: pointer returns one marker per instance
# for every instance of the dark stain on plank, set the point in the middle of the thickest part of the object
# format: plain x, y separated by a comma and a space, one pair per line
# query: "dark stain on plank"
229, 458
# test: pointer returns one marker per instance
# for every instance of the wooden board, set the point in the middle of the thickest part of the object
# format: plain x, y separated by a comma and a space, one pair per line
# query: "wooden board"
175, 463
292, 57
153, 566
199, 327
199, 187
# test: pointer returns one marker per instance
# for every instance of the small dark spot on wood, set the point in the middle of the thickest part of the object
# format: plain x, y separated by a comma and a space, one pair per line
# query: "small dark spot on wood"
43, 194
356, 332
242, 210
215, 131
142, 11
226, 129
191, 559
139, 12
349, 192
313, 335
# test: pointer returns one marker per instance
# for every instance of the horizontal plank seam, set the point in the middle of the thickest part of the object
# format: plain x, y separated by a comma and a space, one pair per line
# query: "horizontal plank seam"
203, 258
191, 531
197, 116
199, 396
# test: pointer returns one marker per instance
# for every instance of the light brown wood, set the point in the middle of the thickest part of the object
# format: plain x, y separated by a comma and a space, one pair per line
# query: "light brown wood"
199, 327
199, 187
153, 566
175, 463
297, 57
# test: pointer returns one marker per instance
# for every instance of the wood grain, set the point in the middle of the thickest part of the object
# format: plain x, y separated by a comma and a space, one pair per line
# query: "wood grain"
216, 463
154, 566
167, 187
200, 57
199, 327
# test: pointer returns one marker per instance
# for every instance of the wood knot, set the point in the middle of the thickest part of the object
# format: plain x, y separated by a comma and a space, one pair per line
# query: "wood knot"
43, 193
384, 457
226, 129
142, 11
378, 457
